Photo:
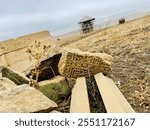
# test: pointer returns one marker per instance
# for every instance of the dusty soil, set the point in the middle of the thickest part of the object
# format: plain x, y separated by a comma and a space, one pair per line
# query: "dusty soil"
129, 44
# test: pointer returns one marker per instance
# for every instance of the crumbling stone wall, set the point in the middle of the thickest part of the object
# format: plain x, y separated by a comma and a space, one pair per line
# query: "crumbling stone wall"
12, 52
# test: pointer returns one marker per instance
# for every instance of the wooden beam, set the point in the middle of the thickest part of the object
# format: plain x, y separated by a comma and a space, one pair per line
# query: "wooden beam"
113, 99
79, 98
127, 107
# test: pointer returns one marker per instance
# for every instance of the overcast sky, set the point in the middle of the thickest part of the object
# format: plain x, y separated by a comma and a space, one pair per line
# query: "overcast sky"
19, 17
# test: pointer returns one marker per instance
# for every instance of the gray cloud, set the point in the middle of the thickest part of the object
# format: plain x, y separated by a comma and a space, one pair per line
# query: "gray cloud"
18, 17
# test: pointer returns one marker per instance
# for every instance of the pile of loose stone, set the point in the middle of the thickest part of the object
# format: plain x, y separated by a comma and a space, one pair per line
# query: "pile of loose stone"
17, 95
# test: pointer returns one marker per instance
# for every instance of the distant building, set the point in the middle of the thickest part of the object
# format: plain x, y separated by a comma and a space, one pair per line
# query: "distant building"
87, 24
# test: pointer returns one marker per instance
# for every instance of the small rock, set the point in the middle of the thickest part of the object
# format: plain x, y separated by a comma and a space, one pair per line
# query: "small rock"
118, 83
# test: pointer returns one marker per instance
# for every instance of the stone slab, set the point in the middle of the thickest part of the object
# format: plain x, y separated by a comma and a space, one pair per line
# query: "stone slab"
17, 77
24, 99
75, 63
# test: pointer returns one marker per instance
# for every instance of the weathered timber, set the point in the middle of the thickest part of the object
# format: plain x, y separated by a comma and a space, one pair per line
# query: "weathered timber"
113, 99
127, 107
79, 98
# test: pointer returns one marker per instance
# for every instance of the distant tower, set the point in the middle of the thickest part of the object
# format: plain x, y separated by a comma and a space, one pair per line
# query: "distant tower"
87, 24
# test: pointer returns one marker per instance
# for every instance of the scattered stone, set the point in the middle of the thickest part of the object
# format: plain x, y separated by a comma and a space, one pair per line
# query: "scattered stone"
24, 99
56, 79
56, 89
75, 63
6, 84
14, 76
13, 51
48, 68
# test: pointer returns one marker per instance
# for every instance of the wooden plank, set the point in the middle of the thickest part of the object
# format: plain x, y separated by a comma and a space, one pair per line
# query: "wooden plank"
113, 100
127, 107
79, 98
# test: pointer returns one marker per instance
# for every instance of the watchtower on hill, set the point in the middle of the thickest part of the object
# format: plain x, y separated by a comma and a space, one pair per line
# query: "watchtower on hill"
87, 24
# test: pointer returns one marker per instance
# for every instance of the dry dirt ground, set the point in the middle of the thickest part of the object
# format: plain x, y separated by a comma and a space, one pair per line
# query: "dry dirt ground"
129, 44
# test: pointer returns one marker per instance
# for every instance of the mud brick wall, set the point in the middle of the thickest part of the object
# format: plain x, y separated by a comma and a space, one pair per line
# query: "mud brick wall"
75, 63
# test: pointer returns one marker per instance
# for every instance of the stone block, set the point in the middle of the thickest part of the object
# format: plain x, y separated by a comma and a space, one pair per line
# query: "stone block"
56, 89
24, 99
75, 63
17, 77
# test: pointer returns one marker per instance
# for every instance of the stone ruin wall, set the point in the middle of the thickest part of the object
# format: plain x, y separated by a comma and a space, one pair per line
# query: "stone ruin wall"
12, 52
